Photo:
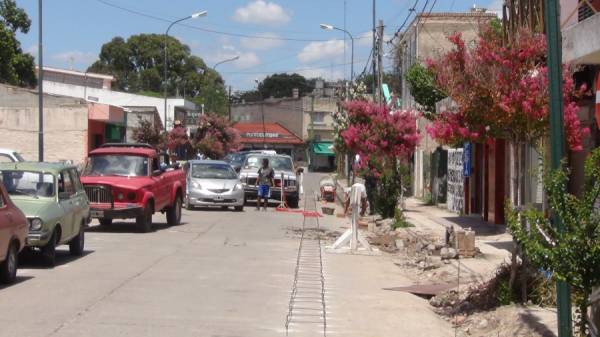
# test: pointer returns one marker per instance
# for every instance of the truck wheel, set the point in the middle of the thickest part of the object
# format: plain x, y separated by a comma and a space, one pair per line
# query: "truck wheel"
293, 202
8, 268
174, 212
105, 222
77, 243
144, 221
49, 251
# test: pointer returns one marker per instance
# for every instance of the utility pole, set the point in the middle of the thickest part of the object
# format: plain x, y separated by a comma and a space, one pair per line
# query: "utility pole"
557, 143
379, 61
374, 52
229, 103
40, 86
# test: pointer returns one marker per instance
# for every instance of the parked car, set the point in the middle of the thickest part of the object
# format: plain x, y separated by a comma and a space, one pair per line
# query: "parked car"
213, 183
237, 159
126, 181
13, 235
10, 156
281, 164
53, 199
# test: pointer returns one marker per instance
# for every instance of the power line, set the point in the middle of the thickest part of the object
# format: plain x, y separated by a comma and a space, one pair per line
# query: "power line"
399, 30
212, 31
291, 70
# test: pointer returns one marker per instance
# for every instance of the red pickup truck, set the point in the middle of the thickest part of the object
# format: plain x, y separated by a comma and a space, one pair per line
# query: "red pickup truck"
125, 181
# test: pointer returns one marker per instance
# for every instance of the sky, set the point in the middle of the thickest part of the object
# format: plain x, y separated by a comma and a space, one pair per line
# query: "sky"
270, 36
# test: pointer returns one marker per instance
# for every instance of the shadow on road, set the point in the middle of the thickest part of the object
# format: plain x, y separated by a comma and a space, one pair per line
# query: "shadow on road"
29, 259
20, 279
128, 227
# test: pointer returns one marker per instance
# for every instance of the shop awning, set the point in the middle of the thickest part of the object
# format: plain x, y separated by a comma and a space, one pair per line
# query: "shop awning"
323, 149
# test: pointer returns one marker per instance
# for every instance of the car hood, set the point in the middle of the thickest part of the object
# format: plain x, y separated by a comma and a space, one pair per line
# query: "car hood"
132, 183
288, 175
43, 208
216, 184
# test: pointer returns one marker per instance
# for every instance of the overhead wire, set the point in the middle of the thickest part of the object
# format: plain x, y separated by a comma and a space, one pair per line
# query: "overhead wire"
218, 32
292, 70
399, 30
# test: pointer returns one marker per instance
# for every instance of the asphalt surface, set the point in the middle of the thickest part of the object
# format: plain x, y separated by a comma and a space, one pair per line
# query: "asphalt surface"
220, 273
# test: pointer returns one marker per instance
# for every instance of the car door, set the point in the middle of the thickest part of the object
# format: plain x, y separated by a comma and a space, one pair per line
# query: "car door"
80, 201
66, 199
5, 224
161, 198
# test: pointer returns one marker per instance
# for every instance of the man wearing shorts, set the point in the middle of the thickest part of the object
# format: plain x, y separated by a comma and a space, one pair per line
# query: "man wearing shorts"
265, 180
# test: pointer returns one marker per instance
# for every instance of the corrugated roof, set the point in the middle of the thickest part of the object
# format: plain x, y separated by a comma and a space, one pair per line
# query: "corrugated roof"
252, 133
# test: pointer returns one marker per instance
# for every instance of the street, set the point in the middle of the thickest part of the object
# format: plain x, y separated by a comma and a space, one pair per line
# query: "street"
218, 274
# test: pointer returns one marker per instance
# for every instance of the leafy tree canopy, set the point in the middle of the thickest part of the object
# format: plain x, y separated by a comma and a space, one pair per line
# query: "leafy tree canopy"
282, 85
138, 66
16, 67
422, 86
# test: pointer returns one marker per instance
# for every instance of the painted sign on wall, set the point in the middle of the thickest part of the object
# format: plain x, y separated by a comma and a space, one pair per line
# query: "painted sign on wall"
456, 189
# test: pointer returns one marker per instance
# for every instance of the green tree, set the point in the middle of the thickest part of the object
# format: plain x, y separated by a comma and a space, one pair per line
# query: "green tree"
138, 66
421, 83
16, 67
282, 85
573, 254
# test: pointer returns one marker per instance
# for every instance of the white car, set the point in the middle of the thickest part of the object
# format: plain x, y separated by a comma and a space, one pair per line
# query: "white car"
8, 156
213, 183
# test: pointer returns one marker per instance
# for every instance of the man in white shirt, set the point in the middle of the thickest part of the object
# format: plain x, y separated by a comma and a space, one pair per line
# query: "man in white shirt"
357, 198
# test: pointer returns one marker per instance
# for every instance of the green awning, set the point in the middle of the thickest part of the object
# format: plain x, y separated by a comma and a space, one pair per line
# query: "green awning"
323, 149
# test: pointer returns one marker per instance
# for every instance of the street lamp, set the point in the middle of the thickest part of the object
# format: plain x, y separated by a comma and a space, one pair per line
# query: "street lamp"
235, 58
193, 16
262, 112
330, 27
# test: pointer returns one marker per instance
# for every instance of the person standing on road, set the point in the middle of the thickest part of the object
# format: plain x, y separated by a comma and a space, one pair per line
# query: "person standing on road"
265, 180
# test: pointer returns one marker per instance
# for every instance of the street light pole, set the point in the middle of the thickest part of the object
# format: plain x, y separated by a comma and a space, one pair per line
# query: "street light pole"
165, 61
557, 143
40, 86
262, 112
330, 27
235, 58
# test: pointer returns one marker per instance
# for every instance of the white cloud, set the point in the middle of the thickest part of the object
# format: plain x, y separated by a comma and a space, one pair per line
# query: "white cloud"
75, 57
33, 50
326, 74
315, 51
262, 13
247, 60
264, 42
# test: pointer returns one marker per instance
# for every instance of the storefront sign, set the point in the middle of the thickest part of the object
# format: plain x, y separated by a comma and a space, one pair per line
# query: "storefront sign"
261, 135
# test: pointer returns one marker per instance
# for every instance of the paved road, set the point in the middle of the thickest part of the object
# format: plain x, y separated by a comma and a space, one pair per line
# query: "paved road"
218, 274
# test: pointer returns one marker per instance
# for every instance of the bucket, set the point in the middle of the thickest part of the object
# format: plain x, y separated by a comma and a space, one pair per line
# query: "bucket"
328, 210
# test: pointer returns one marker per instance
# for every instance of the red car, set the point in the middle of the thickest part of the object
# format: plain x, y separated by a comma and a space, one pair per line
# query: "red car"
13, 233
127, 181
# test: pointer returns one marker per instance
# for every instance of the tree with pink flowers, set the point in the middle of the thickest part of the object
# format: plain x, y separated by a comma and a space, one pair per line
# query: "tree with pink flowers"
216, 137
384, 142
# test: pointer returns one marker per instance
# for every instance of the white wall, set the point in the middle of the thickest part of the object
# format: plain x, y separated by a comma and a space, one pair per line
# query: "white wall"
118, 98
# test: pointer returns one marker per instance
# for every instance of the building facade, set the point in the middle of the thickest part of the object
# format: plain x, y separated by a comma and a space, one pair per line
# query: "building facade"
427, 38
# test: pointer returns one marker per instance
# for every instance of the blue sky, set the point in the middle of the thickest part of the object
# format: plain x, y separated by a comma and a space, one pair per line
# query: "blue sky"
268, 35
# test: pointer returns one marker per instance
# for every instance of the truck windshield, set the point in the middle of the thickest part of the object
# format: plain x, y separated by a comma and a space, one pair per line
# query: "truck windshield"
276, 163
213, 171
116, 165
27, 183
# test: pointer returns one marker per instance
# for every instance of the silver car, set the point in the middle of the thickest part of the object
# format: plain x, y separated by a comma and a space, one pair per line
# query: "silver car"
213, 183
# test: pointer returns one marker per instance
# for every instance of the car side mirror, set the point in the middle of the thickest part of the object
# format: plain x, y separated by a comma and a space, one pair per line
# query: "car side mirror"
64, 195
156, 173
238, 169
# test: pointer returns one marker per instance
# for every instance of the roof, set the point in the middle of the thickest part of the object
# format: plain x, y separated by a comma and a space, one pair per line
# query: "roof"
139, 151
274, 133
35, 166
78, 73
208, 161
